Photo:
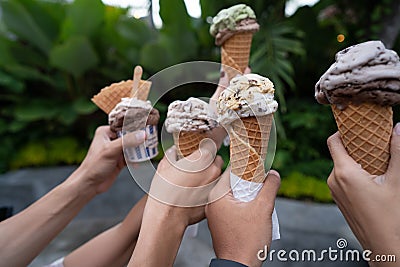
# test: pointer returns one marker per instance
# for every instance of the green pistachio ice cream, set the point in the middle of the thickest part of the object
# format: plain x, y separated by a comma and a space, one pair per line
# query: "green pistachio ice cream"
238, 18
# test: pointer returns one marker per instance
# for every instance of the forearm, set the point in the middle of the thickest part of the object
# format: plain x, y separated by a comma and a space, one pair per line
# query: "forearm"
26, 234
114, 246
159, 239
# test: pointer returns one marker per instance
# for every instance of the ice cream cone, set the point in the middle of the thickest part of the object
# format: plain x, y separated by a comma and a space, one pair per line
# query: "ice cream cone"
249, 143
111, 95
366, 130
187, 142
235, 53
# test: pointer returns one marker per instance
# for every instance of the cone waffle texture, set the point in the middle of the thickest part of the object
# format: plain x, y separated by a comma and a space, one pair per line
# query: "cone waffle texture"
187, 142
111, 95
249, 143
366, 131
235, 53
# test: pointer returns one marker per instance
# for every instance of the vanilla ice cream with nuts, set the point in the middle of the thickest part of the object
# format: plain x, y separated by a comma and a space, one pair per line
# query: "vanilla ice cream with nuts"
247, 95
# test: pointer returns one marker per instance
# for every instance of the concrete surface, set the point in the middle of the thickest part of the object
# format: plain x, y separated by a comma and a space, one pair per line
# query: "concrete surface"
304, 225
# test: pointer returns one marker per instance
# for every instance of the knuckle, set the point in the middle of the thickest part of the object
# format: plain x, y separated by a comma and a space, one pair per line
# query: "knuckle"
206, 154
340, 173
329, 141
275, 179
330, 181
215, 170
99, 130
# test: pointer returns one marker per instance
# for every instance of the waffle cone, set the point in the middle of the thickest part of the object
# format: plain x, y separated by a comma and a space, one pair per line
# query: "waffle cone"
249, 143
235, 53
366, 130
187, 142
110, 96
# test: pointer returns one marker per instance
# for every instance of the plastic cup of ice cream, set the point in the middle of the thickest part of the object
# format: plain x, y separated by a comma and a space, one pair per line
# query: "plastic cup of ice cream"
145, 151
131, 115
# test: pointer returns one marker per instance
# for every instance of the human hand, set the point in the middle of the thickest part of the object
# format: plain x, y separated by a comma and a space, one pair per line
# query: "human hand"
173, 204
240, 230
105, 158
185, 184
368, 202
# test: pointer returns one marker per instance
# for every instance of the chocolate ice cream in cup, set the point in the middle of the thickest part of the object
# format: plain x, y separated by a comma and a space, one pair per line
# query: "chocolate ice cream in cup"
130, 115
190, 122
361, 86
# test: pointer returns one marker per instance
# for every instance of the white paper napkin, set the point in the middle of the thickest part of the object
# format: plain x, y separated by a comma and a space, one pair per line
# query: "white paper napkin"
247, 191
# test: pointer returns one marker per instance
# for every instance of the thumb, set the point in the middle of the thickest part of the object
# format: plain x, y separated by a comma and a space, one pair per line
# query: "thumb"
132, 139
270, 188
394, 163
205, 154
222, 188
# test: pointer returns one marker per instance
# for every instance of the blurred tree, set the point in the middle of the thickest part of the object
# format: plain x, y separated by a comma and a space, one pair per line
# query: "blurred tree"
54, 55
391, 25
362, 20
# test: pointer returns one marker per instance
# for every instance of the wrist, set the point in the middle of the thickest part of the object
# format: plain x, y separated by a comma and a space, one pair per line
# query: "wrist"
167, 214
160, 234
79, 183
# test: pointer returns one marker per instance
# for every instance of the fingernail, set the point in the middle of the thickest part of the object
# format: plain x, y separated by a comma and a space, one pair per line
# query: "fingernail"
273, 172
397, 128
140, 136
222, 74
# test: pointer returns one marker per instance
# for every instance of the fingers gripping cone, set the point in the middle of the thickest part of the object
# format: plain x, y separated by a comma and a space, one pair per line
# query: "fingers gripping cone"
248, 150
366, 130
361, 87
246, 109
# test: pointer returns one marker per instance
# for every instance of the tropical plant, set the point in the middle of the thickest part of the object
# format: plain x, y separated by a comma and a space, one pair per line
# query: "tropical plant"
55, 56
299, 186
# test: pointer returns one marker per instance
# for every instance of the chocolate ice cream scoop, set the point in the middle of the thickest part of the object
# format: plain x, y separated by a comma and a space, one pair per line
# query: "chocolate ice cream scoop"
363, 73
132, 115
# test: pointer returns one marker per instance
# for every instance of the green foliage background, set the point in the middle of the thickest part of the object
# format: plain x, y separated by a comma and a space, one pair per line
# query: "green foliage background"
55, 55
